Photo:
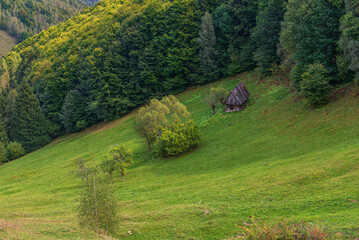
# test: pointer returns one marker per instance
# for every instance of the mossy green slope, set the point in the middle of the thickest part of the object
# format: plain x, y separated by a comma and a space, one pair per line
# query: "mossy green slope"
277, 159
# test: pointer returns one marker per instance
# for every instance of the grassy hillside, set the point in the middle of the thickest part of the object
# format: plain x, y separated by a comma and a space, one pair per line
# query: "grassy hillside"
276, 159
6, 43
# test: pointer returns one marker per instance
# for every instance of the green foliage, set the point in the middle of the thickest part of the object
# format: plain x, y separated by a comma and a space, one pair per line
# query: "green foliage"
14, 150
3, 134
349, 42
207, 51
98, 209
317, 35
216, 96
223, 26
28, 125
22, 18
73, 112
266, 34
158, 115
284, 230
3, 157
120, 158
296, 10
241, 46
315, 85
179, 139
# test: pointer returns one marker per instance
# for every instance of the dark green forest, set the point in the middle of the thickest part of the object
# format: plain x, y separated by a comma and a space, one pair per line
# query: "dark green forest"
114, 57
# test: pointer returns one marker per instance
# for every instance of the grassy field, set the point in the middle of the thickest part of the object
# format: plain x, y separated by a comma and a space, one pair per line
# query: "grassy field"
277, 159
6, 43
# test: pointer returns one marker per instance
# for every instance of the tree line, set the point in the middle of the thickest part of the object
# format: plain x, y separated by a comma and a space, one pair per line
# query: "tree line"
119, 54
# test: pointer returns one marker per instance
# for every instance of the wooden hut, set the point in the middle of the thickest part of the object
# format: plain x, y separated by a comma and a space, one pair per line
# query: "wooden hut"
237, 99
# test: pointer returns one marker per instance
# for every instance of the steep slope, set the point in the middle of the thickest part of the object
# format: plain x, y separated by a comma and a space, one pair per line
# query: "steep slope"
278, 158
6, 43
117, 54
23, 18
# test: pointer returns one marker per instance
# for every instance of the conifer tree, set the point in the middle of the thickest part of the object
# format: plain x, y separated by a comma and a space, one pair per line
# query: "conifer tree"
207, 52
223, 26
241, 46
266, 34
73, 109
348, 63
3, 134
28, 123
317, 37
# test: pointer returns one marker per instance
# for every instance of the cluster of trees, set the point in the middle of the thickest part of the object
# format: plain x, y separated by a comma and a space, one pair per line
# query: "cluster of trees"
22, 123
215, 97
98, 208
167, 123
23, 18
117, 55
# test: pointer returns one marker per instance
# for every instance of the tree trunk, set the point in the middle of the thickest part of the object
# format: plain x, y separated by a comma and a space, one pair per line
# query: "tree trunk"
214, 110
122, 177
149, 146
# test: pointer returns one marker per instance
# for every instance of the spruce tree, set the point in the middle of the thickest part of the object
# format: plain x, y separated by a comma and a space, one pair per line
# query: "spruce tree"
207, 52
28, 124
317, 37
3, 134
266, 34
223, 26
72, 116
348, 63
241, 46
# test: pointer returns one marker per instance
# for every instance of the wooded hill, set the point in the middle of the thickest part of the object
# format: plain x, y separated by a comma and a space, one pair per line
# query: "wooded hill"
23, 18
115, 56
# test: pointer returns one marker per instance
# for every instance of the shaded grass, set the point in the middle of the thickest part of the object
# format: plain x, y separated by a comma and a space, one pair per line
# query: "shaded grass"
276, 159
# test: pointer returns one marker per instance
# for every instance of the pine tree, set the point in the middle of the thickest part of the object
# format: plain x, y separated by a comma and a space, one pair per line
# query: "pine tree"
3, 134
73, 110
223, 26
241, 46
348, 63
266, 34
28, 123
317, 37
207, 52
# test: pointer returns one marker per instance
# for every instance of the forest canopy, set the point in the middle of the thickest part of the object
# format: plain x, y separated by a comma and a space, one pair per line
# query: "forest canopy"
23, 18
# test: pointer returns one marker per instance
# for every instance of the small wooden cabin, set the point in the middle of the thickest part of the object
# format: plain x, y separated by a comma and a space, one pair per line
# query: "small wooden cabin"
237, 99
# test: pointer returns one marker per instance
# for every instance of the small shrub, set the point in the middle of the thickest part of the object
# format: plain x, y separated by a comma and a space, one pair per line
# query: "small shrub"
296, 76
14, 150
179, 139
81, 125
3, 157
315, 85
283, 230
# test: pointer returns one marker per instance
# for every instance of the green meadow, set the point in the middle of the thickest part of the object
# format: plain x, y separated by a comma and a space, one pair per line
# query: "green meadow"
277, 159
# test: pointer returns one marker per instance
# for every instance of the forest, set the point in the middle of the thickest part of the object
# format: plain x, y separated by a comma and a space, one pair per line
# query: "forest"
24, 18
117, 55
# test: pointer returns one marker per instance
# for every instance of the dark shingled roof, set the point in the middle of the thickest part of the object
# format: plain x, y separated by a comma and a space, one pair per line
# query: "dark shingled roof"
238, 96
